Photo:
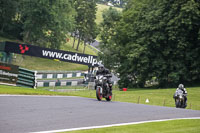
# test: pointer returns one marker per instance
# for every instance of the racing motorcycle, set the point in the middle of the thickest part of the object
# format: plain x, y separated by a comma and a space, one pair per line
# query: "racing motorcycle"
179, 99
102, 87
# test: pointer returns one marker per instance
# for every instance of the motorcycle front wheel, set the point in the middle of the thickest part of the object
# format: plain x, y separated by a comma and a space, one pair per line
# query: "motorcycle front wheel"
177, 103
99, 94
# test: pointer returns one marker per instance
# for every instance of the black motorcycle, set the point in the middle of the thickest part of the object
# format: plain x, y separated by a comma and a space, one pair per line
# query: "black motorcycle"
180, 99
102, 88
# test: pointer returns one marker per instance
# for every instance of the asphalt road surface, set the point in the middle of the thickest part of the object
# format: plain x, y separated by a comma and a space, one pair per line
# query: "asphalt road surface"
22, 114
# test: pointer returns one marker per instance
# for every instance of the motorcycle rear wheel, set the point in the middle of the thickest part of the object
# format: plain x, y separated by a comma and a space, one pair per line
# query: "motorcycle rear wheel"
109, 97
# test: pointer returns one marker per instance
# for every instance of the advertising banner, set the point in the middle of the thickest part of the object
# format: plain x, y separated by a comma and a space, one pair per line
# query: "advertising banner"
36, 51
8, 73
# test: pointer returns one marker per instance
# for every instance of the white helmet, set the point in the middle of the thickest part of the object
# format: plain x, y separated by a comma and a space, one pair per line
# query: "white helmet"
181, 86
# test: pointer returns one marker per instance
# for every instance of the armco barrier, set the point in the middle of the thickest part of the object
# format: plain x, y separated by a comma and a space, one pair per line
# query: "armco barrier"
58, 83
58, 75
26, 78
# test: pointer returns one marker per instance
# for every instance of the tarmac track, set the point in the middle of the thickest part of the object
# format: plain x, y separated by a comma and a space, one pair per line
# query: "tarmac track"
22, 114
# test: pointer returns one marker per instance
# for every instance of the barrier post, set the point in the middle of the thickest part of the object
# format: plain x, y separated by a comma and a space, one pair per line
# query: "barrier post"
26, 78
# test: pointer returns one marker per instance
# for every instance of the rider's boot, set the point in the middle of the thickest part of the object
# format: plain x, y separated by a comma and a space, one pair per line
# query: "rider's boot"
110, 88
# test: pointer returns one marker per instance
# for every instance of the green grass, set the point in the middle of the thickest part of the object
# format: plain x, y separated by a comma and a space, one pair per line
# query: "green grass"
68, 47
174, 126
26, 91
35, 63
15, 90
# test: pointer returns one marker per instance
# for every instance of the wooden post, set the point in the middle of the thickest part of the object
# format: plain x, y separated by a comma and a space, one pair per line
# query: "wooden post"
138, 99
190, 106
113, 97
164, 103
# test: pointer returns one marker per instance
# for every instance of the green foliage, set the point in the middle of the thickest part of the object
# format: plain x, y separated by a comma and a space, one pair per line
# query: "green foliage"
40, 22
110, 18
46, 22
10, 24
158, 39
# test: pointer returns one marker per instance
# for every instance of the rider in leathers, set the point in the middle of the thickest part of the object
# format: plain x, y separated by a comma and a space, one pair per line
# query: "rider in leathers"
181, 87
103, 71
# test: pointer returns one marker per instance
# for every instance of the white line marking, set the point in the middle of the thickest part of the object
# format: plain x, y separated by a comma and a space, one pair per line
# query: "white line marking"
112, 125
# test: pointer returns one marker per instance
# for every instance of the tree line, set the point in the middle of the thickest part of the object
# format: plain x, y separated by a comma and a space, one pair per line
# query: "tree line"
150, 39
153, 40
48, 23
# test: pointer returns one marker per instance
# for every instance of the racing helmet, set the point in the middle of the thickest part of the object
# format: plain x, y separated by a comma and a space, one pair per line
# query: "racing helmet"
101, 68
181, 86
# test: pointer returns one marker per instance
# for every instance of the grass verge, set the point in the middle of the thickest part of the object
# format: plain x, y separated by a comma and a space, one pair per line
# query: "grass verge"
27, 91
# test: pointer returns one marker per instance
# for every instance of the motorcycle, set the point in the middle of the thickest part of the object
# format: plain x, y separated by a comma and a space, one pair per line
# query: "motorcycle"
179, 99
102, 88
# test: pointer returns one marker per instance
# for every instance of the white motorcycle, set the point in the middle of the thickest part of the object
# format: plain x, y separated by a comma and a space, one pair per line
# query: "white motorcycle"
179, 99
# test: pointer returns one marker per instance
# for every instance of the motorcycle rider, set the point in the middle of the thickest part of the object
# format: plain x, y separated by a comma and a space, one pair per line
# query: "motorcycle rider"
103, 71
181, 87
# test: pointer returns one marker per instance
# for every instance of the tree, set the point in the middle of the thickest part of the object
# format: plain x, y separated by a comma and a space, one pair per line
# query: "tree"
110, 19
85, 20
9, 18
46, 22
158, 39
91, 30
